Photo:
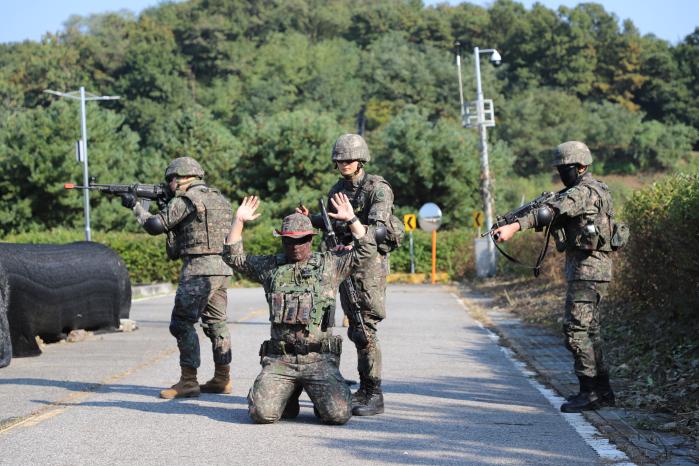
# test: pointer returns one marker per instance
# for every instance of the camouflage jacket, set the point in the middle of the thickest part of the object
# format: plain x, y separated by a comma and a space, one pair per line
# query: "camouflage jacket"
373, 204
176, 216
588, 255
301, 296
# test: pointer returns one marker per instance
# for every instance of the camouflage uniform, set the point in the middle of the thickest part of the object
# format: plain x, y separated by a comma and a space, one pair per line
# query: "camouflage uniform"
302, 351
197, 221
372, 199
583, 229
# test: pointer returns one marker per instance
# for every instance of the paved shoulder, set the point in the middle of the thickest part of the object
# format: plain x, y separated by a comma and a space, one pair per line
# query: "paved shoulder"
452, 397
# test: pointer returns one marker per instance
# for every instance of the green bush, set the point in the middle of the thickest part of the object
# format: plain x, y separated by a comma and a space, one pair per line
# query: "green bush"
454, 252
661, 262
144, 255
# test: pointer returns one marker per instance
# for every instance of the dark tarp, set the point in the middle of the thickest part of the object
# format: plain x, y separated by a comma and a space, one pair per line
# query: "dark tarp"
58, 288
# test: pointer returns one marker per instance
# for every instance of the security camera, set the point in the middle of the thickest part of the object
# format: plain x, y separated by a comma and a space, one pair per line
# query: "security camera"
495, 58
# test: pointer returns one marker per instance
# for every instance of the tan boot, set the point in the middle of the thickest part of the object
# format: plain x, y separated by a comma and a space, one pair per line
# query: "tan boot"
221, 383
187, 387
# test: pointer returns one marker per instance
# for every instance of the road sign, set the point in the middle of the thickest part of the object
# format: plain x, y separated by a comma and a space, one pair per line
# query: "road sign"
478, 218
410, 221
429, 217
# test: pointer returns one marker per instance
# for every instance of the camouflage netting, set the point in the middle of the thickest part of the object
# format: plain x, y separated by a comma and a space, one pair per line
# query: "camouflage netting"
58, 288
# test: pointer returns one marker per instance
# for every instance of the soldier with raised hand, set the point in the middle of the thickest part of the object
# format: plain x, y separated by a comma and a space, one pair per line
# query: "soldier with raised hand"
300, 287
196, 221
582, 228
372, 199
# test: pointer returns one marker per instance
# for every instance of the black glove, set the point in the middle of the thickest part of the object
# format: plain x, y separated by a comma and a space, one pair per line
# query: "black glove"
128, 200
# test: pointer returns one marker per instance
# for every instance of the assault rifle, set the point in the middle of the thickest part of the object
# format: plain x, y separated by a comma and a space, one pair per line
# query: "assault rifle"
355, 310
160, 193
543, 215
543, 218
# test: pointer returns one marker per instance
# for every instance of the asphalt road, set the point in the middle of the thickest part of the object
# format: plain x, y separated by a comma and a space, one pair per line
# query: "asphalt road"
452, 397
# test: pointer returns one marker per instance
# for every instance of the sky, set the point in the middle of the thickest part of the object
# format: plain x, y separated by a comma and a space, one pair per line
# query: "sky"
671, 20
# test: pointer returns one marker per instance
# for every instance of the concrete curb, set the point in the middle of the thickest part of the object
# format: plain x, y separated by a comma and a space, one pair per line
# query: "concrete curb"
544, 351
150, 291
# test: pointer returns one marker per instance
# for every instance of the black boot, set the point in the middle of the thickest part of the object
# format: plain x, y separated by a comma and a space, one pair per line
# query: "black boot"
292, 408
374, 400
586, 400
604, 390
359, 397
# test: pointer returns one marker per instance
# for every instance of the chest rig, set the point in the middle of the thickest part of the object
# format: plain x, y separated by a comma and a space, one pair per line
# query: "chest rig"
592, 231
296, 297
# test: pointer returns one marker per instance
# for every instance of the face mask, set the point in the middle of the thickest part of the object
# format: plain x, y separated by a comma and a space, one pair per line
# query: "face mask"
297, 249
569, 174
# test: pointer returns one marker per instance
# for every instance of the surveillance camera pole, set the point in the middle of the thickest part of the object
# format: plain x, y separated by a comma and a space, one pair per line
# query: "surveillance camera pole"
82, 145
486, 195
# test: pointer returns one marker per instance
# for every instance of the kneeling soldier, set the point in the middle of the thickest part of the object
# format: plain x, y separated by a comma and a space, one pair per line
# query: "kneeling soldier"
300, 287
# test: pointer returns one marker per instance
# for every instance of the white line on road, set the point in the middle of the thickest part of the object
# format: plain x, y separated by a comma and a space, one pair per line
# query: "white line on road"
587, 431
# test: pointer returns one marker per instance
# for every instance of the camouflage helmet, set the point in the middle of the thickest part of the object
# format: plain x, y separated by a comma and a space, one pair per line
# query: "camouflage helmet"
295, 226
572, 152
184, 166
351, 147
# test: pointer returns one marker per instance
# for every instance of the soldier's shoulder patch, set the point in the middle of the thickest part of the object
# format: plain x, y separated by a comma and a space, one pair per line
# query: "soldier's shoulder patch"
380, 194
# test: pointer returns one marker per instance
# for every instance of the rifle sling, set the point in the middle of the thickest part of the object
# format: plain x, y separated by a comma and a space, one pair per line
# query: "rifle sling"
542, 254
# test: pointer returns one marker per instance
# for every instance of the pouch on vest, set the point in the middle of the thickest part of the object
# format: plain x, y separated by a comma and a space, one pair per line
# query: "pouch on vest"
277, 308
620, 235
395, 231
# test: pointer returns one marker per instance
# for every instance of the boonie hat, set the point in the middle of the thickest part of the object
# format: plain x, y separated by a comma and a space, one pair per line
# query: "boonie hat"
295, 226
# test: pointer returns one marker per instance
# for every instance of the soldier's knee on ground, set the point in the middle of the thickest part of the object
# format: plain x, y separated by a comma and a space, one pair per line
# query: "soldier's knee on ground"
261, 414
337, 416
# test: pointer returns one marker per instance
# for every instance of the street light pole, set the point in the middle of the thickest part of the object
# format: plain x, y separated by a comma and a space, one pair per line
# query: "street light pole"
82, 144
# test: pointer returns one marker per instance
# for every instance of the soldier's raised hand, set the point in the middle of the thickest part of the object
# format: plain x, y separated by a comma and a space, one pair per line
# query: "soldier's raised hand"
343, 207
246, 210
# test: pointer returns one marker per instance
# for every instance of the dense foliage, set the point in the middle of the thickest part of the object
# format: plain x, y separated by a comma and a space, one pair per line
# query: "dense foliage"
258, 91
146, 261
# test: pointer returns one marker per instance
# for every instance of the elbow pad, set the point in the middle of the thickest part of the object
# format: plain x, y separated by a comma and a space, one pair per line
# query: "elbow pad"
543, 216
380, 234
154, 225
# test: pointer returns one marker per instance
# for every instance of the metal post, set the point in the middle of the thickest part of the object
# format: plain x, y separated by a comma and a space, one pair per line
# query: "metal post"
83, 97
434, 256
86, 174
412, 255
485, 170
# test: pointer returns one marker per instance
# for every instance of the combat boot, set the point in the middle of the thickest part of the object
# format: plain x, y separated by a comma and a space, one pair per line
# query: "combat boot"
292, 408
359, 397
221, 382
586, 400
604, 390
374, 400
187, 387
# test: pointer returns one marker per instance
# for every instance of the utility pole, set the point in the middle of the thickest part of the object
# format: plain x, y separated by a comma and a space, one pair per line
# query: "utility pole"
81, 151
480, 114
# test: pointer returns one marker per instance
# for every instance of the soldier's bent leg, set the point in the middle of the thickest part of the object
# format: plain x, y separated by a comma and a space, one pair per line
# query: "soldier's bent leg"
271, 390
191, 298
327, 389
214, 320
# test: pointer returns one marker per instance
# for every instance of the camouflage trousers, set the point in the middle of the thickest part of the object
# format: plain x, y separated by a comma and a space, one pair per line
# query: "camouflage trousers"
581, 326
316, 373
205, 298
369, 358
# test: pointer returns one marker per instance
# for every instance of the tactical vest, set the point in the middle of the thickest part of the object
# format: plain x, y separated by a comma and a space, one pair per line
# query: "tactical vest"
592, 231
296, 296
361, 206
205, 232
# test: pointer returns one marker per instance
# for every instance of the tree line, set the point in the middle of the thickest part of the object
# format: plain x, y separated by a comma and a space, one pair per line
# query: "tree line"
258, 91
